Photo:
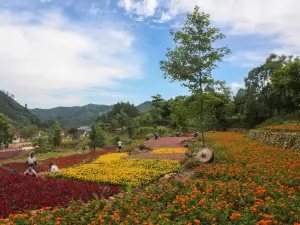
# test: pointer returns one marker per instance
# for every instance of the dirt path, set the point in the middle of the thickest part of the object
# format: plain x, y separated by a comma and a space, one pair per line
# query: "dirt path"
169, 142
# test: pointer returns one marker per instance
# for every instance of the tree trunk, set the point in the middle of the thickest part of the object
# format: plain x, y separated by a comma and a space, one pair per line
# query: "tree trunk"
201, 118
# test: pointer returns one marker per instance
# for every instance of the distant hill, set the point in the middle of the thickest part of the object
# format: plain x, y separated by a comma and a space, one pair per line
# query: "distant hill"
79, 115
19, 114
72, 116
144, 107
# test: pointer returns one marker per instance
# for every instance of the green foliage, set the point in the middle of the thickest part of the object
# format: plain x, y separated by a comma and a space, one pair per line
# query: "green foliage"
71, 116
144, 107
97, 137
55, 136
179, 112
73, 131
19, 115
271, 89
6, 136
194, 56
29, 131
160, 109
121, 107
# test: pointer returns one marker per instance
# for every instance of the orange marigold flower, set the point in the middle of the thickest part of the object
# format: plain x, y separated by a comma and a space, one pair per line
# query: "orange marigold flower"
197, 221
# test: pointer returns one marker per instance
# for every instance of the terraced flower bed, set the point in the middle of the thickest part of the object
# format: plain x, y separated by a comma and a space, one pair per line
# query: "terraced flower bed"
61, 162
169, 150
174, 156
248, 183
283, 127
19, 192
114, 169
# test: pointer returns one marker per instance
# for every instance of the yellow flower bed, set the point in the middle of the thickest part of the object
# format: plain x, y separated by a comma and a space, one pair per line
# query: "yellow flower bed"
169, 150
110, 157
113, 169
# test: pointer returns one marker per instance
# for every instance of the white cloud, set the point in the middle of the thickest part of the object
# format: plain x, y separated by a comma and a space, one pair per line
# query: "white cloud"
236, 85
248, 58
41, 55
144, 8
276, 20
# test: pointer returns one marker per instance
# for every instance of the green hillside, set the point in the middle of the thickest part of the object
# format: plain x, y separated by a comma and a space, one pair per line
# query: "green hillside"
19, 114
72, 116
78, 115
144, 107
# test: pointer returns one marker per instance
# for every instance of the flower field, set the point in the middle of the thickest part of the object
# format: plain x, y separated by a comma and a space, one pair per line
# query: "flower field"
173, 156
283, 127
113, 169
248, 183
19, 192
169, 150
61, 162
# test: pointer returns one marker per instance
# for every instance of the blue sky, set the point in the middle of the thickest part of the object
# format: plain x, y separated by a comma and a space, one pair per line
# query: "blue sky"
75, 52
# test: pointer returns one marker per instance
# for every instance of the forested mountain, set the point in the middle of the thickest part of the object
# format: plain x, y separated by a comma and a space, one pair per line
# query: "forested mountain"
72, 116
19, 114
144, 107
78, 115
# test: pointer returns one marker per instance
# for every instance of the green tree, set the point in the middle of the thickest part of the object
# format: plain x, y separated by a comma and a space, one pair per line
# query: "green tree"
73, 131
179, 112
160, 108
286, 82
194, 56
97, 137
29, 131
55, 137
126, 121
6, 136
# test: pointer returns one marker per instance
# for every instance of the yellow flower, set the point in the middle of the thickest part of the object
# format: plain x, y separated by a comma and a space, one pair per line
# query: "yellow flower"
115, 170
169, 150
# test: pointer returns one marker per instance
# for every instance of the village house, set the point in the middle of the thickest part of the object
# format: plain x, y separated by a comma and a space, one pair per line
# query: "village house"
83, 131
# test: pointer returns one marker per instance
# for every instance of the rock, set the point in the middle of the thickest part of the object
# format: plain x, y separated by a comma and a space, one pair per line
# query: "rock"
285, 140
205, 155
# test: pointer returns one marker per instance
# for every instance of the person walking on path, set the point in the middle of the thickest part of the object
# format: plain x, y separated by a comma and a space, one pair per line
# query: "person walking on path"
155, 135
31, 161
120, 145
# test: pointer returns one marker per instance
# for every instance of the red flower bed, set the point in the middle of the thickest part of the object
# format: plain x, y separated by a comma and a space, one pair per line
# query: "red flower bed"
18, 193
61, 162
4, 171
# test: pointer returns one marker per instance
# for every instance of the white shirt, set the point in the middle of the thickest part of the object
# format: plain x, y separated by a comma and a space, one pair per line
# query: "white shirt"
31, 160
119, 143
54, 169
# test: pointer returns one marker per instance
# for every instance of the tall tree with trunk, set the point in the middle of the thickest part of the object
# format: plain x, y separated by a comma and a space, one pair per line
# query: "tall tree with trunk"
194, 56
6, 135
97, 137
55, 136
